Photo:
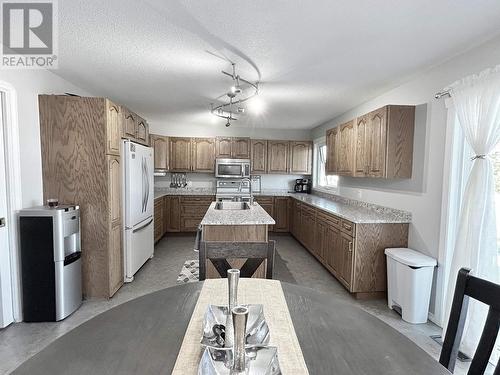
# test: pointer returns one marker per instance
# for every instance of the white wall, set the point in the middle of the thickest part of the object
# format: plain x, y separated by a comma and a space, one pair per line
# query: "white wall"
422, 195
28, 85
219, 129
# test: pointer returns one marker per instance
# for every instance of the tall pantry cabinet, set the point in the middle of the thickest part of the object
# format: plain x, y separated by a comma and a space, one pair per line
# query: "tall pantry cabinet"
81, 146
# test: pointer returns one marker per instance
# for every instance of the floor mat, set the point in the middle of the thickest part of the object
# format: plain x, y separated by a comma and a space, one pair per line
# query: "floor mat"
190, 272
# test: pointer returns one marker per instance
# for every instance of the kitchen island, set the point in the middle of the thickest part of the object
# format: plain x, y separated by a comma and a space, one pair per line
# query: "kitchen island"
235, 222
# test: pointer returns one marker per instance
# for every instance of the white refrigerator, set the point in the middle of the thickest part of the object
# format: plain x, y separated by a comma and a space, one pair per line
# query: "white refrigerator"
138, 187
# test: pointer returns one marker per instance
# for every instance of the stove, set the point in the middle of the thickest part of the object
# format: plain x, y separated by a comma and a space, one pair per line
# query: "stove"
232, 190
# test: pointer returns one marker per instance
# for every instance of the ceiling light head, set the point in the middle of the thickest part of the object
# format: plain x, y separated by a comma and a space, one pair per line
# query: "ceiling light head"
256, 105
236, 89
228, 123
241, 110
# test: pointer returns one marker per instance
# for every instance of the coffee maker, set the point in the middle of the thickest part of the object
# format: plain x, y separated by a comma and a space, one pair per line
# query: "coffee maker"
303, 185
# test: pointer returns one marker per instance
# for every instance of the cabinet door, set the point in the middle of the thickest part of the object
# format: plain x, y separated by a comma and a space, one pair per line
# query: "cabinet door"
334, 257
362, 144
347, 246
203, 155
223, 147
346, 149
258, 156
114, 189
129, 124
115, 259
301, 157
277, 157
160, 150
377, 142
281, 214
142, 131
321, 241
174, 214
296, 216
113, 128
269, 208
158, 219
180, 154
166, 213
240, 148
331, 151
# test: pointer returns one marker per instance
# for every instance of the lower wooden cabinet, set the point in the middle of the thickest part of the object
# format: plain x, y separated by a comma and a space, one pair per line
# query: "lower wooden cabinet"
281, 214
353, 253
267, 203
159, 213
115, 259
173, 214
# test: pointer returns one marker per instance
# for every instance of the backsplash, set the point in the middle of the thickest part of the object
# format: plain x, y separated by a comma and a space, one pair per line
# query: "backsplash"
207, 181
353, 202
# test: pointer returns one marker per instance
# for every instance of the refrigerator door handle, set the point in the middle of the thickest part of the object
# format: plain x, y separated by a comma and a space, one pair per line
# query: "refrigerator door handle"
147, 184
143, 186
143, 226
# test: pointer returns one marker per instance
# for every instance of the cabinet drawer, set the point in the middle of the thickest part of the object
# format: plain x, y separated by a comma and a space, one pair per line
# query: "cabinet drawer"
347, 227
329, 219
264, 200
205, 199
308, 210
194, 210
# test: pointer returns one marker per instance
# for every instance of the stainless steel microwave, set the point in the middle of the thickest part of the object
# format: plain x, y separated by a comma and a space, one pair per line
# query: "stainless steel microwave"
232, 168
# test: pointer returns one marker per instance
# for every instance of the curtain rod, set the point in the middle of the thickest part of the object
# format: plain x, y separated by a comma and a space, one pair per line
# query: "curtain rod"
441, 94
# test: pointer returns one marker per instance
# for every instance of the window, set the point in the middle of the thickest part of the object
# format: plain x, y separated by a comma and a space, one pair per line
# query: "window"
321, 180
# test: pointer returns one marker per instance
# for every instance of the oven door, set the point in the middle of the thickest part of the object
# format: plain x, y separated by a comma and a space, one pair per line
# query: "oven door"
228, 169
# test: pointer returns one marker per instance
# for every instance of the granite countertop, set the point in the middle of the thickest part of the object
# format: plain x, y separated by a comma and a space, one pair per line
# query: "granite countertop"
184, 191
354, 213
256, 215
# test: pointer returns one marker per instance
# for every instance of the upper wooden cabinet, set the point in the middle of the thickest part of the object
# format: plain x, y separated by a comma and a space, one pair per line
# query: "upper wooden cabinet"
332, 148
277, 157
113, 126
142, 132
231, 147
180, 154
129, 119
378, 144
301, 157
203, 155
240, 148
160, 148
258, 156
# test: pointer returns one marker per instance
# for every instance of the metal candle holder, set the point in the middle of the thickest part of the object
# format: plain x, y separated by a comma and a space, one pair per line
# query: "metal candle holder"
233, 276
240, 317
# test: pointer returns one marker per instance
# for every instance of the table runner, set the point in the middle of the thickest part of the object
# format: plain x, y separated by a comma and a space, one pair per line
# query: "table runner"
250, 291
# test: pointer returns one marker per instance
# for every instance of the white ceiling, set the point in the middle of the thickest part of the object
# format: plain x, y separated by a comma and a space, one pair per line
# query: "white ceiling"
317, 58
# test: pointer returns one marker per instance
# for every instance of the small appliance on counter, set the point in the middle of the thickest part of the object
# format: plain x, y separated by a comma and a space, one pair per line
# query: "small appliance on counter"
303, 185
51, 262
256, 184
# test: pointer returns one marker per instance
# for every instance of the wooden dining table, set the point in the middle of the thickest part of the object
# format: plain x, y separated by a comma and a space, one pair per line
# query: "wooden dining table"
144, 335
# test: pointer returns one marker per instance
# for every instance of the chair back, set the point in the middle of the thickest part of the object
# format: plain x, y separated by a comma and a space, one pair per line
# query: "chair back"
487, 292
253, 259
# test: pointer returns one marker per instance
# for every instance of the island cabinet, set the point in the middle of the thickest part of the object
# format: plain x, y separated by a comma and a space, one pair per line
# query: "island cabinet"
277, 157
232, 147
301, 157
183, 213
353, 253
160, 151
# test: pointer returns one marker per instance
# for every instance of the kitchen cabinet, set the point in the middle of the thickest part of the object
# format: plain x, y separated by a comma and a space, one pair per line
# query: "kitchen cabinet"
113, 128
179, 154
353, 253
362, 145
129, 118
86, 132
173, 213
258, 156
281, 215
203, 155
267, 203
223, 147
192, 210
346, 144
160, 151
277, 157
301, 157
232, 147
159, 222
332, 150
142, 131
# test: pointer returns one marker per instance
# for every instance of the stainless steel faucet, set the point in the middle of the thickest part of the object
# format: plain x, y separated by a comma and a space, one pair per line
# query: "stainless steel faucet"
249, 185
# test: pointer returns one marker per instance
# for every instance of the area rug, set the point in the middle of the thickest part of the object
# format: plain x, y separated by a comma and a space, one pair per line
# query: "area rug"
190, 272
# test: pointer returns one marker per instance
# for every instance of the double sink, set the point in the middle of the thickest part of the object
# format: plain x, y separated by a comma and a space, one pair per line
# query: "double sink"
232, 206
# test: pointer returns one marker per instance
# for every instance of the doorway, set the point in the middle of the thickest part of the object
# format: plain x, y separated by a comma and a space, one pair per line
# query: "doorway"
6, 300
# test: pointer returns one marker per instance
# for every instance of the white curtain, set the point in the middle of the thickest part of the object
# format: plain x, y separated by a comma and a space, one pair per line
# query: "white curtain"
477, 101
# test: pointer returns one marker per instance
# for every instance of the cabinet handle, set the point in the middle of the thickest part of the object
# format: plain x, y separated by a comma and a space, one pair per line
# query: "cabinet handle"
350, 246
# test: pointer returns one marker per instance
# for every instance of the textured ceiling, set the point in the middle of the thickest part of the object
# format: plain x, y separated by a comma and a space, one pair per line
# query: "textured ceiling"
316, 58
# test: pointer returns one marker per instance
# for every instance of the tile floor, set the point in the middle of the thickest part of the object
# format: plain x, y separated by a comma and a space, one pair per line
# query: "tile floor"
293, 264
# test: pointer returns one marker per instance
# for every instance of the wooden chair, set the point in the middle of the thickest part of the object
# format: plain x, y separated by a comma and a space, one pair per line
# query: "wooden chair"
486, 292
255, 254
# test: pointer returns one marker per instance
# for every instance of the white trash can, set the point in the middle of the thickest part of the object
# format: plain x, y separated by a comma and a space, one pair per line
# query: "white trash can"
409, 282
